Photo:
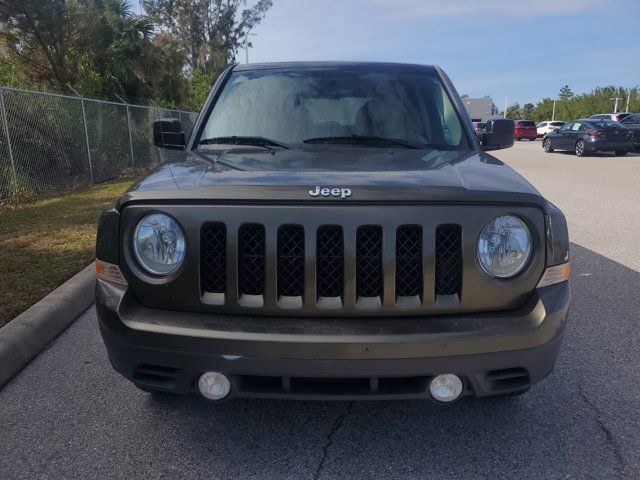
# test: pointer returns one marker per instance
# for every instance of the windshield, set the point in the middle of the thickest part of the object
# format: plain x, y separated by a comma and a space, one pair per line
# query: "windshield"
298, 104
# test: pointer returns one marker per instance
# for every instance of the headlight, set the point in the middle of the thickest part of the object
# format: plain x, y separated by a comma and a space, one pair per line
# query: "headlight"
158, 244
504, 246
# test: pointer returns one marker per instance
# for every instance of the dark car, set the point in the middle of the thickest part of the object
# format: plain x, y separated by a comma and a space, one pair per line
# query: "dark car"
632, 122
478, 128
333, 231
614, 117
525, 129
589, 135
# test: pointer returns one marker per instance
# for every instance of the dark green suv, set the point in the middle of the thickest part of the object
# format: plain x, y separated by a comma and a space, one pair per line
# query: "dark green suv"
333, 231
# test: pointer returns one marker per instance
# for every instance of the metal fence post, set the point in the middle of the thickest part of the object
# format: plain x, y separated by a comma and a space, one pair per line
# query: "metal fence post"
86, 131
133, 164
6, 131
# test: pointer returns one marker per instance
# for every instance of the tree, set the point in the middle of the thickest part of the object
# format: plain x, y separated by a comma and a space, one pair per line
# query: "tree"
98, 46
513, 111
527, 110
210, 32
565, 93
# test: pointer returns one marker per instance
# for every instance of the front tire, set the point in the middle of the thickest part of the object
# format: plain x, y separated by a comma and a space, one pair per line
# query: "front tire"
546, 145
620, 153
532, 139
581, 149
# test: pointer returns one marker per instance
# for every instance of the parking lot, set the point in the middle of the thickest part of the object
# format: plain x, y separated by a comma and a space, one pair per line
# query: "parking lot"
69, 415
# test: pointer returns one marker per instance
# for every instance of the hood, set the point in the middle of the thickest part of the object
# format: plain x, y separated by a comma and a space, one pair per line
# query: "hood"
373, 174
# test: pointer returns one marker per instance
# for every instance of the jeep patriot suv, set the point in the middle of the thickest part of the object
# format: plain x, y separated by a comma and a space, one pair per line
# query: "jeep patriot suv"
333, 231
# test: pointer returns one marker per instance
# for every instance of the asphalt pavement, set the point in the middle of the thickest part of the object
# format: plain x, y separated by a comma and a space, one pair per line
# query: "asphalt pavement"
69, 415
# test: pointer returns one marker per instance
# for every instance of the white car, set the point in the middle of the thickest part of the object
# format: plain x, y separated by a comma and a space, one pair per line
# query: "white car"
547, 126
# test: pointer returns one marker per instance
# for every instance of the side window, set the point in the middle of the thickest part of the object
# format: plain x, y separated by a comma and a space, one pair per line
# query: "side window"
584, 127
631, 120
566, 127
543, 124
576, 126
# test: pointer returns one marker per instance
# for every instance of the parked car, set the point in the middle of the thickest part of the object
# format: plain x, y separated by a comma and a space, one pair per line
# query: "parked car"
616, 117
333, 231
547, 126
478, 128
632, 122
590, 135
525, 129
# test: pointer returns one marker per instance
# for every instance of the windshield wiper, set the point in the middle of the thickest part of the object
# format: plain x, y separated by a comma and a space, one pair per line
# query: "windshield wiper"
238, 140
370, 140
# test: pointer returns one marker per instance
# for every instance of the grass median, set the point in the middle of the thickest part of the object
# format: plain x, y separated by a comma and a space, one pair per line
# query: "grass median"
44, 243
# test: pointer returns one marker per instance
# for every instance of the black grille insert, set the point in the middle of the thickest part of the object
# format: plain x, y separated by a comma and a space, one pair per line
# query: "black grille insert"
251, 261
291, 261
409, 261
448, 260
213, 257
330, 261
369, 281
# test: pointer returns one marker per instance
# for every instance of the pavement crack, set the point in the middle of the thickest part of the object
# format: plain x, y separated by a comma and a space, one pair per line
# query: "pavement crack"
611, 441
335, 426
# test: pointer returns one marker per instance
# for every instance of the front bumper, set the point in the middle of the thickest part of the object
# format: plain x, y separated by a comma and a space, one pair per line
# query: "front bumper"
342, 358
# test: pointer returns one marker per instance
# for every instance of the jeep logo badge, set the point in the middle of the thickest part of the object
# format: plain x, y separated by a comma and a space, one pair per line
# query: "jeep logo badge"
330, 192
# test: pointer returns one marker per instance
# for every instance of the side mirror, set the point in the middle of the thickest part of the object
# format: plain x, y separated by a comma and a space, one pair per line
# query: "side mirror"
498, 134
168, 133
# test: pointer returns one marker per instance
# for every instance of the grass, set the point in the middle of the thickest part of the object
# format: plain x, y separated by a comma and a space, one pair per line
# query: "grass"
44, 243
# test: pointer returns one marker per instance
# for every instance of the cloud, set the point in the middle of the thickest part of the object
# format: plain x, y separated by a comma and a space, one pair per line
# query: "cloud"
422, 8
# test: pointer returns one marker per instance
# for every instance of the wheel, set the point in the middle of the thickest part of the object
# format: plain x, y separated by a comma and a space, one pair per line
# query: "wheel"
580, 148
546, 145
518, 139
621, 153
532, 139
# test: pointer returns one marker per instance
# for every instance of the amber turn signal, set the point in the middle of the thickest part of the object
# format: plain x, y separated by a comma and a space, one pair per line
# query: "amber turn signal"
555, 274
109, 272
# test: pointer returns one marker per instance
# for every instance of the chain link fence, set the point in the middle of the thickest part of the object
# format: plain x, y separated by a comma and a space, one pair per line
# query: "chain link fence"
51, 143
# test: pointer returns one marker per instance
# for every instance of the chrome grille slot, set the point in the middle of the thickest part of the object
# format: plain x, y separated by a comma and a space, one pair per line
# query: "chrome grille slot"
251, 264
369, 280
448, 260
213, 260
409, 280
330, 266
290, 265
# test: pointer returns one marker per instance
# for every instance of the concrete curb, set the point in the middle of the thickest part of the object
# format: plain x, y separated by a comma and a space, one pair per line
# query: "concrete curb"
31, 331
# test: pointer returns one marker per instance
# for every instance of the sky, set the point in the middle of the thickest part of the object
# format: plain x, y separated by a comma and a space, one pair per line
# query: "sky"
522, 49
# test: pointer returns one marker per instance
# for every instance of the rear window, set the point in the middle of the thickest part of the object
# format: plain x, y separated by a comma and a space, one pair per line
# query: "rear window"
526, 124
607, 124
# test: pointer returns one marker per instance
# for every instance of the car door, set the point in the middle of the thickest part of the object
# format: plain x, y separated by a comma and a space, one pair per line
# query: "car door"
572, 135
559, 140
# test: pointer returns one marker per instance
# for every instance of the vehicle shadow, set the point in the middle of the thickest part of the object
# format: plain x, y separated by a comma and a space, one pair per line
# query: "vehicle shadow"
580, 422
69, 415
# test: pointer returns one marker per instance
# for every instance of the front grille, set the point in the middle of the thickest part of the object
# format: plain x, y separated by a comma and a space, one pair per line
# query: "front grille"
213, 257
409, 261
251, 259
338, 272
369, 261
448, 260
290, 261
330, 261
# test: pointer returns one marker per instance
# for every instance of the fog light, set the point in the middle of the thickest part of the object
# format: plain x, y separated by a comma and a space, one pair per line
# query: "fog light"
446, 387
214, 385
